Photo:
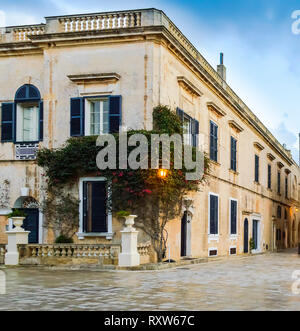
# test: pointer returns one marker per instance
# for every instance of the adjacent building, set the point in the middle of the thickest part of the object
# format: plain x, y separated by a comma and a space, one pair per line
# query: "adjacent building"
89, 74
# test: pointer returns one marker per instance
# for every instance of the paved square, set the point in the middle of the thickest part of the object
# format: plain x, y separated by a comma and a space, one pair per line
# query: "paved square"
254, 283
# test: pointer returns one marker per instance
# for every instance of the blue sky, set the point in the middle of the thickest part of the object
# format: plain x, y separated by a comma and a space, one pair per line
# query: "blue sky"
261, 52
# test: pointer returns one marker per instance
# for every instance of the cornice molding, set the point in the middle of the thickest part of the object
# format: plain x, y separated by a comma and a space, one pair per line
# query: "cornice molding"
188, 86
216, 109
233, 124
259, 146
94, 78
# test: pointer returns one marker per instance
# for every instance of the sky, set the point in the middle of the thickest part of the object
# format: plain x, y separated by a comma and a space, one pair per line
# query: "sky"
261, 52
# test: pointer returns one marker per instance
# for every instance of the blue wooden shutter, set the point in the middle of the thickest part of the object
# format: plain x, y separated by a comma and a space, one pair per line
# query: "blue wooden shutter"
257, 168
233, 217
195, 132
213, 214
41, 121
77, 117
180, 114
278, 182
115, 113
213, 141
233, 151
7, 122
269, 176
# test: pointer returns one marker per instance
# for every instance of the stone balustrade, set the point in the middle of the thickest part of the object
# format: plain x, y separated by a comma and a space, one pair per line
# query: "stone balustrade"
2, 253
100, 21
24, 33
68, 254
145, 252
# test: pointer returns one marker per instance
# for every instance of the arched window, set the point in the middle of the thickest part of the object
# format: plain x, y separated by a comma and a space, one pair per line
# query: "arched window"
27, 92
22, 120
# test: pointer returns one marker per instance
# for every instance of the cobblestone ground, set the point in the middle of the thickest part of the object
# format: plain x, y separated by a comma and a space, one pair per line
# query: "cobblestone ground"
256, 283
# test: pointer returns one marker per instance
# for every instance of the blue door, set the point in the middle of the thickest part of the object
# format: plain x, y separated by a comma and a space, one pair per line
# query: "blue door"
246, 236
255, 233
31, 223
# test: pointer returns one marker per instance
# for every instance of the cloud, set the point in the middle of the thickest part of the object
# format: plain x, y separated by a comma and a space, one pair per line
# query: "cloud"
2, 18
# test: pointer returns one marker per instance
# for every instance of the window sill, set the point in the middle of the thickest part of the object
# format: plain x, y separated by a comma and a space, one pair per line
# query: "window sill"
213, 237
257, 183
233, 237
234, 172
215, 163
108, 236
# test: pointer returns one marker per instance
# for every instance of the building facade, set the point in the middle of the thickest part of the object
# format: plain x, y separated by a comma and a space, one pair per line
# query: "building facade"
90, 74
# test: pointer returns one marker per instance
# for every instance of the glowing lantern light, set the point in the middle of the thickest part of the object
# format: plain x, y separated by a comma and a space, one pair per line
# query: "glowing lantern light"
162, 173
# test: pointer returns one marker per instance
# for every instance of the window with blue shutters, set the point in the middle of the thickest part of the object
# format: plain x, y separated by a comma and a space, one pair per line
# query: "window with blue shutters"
233, 154
95, 115
256, 169
213, 214
213, 141
190, 128
286, 188
233, 217
269, 176
22, 120
7, 122
278, 182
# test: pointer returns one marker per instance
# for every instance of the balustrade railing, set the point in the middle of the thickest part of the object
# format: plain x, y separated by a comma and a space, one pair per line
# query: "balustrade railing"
100, 21
70, 251
23, 33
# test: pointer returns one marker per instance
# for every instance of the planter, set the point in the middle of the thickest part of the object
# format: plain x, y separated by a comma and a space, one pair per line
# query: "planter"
129, 221
18, 222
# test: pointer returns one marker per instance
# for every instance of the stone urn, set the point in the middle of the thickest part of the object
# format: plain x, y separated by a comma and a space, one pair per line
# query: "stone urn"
129, 221
18, 222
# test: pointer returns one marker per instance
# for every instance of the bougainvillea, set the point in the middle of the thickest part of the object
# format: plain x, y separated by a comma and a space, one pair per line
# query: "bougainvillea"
156, 200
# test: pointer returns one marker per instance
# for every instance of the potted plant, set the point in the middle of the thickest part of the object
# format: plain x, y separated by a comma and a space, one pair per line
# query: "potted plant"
17, 217
252, 245
129, 219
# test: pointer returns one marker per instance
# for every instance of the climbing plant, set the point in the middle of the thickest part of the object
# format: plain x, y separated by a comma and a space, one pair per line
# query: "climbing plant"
156, 200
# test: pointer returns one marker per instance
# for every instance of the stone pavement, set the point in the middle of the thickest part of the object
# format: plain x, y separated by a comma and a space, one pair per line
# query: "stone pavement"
260, 282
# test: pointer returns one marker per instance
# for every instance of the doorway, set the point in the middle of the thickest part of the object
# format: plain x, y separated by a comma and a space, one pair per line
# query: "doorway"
184, 222
246, 236
31, 223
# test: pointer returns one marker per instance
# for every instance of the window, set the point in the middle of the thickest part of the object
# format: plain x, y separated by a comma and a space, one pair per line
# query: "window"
190, 128
286, 188
285, 214
233, 152
233, 217
213, 141
94, 207
22, 120
97, 117
213, 214
278, 182
269, 176
94, 116
279, 212
256, 169
27, 122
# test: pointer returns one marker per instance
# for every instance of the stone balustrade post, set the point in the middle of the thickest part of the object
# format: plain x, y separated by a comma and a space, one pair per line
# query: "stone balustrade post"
17, 236
129, 256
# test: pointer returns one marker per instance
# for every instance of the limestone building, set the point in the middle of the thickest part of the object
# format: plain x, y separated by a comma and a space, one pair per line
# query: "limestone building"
55, 77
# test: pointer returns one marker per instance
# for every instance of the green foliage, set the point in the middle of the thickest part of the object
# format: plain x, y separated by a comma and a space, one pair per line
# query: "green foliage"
63, 240
140, 192
166, 121
16, 213
61, 211
123, 213
252, 244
